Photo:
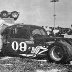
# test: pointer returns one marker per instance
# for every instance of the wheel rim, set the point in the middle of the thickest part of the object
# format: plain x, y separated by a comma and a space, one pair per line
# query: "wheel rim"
56, 53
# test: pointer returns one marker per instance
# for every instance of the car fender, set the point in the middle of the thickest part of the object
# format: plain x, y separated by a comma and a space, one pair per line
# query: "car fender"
66, 46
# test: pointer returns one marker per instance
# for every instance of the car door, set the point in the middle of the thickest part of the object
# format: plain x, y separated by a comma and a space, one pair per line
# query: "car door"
18, 41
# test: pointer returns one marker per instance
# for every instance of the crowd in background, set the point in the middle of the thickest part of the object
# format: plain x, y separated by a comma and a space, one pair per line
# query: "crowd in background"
57, 31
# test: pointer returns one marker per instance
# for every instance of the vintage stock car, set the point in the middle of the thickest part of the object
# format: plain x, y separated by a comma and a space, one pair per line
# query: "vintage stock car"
32, 41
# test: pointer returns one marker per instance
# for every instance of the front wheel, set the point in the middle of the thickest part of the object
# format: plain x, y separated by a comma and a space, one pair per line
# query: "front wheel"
56, 54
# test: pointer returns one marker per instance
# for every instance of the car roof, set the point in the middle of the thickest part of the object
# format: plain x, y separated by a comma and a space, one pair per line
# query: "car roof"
24, 26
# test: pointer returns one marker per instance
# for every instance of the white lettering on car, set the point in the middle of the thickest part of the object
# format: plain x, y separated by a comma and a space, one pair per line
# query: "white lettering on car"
15, 45
22, 46
38, 50
35, 50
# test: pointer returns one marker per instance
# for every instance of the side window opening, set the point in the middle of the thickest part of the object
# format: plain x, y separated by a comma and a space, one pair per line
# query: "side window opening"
20, 33
38, 31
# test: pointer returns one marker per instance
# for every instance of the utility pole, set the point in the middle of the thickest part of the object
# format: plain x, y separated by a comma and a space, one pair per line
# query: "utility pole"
54, 15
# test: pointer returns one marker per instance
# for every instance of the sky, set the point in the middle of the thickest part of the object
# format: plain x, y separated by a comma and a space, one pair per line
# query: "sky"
40, 12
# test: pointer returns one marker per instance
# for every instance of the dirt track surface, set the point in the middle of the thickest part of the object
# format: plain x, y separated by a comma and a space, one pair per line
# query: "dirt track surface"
31, 65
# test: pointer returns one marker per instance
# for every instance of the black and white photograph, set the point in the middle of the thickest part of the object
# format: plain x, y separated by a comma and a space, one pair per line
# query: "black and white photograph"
35, 35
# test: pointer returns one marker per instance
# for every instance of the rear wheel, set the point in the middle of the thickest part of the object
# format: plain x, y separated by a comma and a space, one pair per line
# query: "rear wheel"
56, 54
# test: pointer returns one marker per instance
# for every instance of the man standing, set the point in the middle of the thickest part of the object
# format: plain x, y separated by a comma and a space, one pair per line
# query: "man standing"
2, 27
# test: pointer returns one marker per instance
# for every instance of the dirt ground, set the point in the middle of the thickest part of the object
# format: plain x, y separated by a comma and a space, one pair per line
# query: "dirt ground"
31, 65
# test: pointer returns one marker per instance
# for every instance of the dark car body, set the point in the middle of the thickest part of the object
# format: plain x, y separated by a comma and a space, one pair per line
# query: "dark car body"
31, 41
20, 41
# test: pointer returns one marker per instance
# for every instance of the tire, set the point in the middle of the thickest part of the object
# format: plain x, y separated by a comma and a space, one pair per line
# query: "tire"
4, 14
56, 54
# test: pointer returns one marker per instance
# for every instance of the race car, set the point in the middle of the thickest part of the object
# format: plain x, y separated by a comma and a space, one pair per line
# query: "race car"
31, 41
